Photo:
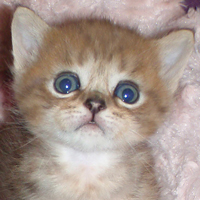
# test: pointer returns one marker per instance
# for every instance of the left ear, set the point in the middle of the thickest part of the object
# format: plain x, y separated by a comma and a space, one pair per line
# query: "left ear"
28, 31
174, 51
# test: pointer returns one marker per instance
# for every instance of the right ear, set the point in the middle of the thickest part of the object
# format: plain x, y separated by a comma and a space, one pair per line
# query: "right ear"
174, 51
27, 34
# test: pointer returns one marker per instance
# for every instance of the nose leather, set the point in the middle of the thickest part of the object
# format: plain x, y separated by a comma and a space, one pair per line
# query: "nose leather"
95, 104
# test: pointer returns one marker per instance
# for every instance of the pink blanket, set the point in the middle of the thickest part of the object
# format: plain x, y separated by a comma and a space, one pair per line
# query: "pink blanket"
177, 143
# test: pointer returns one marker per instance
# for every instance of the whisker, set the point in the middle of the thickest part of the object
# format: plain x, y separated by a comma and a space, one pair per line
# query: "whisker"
149, 141
27, 143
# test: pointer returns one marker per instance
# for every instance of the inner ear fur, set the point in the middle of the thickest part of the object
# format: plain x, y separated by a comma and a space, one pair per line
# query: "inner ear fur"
27, 35
174, 51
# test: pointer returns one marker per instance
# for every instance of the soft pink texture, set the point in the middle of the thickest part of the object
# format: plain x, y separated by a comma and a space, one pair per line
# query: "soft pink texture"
177, 143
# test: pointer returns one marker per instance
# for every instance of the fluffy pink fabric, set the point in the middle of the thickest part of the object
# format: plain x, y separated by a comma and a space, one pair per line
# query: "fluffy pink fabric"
177, 143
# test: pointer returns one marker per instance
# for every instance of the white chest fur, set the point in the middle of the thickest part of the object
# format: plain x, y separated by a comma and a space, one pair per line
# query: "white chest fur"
89, 165
83, 175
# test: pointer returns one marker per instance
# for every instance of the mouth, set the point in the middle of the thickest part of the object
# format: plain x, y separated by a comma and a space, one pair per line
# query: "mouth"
90, 127
92, 122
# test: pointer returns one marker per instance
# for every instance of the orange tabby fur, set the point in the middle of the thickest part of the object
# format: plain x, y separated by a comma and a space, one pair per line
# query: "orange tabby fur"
67, 157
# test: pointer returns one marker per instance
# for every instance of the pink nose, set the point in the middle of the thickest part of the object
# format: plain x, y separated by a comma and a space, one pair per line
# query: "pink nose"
95, 105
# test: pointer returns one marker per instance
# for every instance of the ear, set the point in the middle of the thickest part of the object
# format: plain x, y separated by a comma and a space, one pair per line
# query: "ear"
27, 35
174, 50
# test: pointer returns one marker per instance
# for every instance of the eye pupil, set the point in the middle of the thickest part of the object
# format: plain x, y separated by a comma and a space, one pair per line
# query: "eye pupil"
127, 95
65, 85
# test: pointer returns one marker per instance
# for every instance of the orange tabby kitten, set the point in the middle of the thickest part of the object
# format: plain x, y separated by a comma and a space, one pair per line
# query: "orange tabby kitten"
88, 94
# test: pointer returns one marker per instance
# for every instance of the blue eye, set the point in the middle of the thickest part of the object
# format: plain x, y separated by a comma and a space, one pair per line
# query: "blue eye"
66, 83
127, 92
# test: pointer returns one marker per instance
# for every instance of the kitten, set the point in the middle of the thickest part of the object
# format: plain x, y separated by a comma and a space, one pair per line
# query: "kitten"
88, 95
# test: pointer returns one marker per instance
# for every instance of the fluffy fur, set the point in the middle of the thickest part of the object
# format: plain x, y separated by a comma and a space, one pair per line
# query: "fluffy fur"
176, 144
87, 144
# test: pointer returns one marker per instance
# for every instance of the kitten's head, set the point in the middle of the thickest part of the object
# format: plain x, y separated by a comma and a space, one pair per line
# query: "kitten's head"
91, 84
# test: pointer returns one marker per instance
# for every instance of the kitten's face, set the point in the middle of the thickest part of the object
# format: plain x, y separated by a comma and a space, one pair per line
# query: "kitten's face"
92, 85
